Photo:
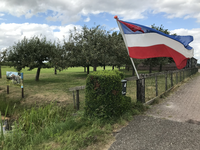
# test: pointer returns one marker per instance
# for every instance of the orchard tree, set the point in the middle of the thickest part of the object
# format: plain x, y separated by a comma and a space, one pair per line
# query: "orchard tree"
2, 57
58, 58
151, 62
33, 53
120, 54
88, 47
73, 49
94, 45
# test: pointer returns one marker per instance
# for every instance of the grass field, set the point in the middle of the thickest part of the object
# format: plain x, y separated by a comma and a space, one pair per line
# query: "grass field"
40, 124
52, 87
52, 126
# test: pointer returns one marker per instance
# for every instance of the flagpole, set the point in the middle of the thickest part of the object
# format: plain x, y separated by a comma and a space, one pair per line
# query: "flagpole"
120, 28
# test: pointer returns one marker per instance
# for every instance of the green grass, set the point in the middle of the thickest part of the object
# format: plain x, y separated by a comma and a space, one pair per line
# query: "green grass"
51, 87
41, 124
47, 127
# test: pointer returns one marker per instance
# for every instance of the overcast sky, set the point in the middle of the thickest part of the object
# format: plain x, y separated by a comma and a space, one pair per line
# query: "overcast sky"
54, 19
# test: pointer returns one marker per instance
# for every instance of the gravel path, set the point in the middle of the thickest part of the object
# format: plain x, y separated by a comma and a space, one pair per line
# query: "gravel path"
173, 124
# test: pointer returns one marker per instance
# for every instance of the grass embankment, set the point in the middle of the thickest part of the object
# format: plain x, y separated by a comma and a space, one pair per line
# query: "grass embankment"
44, 120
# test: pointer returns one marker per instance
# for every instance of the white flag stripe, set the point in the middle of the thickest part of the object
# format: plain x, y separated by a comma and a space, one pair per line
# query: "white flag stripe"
150, 39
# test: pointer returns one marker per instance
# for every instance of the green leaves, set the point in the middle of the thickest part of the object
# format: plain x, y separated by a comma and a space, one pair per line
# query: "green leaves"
103, 95
35, 52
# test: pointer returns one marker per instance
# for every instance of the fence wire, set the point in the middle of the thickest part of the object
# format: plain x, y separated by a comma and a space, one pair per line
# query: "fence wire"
158, 83
131, 90
155, 85
150, 88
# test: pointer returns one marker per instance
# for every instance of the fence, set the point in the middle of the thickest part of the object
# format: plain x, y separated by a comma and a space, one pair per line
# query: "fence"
148, 87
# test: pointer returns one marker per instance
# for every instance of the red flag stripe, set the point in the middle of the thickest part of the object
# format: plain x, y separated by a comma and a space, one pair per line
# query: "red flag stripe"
134, 28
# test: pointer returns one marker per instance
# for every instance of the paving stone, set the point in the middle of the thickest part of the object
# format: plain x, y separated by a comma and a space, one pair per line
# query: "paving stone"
173, 124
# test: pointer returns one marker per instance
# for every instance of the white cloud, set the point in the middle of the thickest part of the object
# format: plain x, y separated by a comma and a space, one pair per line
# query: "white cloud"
11, 33
72, 11
87, 19
195, 43
1, 15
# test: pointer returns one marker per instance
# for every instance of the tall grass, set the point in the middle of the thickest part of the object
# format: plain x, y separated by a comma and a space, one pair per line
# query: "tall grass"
40, 125
8, 104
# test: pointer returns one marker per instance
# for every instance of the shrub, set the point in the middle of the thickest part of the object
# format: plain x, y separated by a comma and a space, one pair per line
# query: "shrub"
103, 98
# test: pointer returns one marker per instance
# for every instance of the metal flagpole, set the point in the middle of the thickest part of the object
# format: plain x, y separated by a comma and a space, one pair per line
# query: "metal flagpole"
120, 28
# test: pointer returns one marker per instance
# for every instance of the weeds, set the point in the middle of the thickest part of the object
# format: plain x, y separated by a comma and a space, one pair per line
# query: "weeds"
5, 102
37, 126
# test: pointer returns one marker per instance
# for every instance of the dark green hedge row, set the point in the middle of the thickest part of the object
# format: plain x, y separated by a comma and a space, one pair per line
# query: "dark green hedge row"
104, 97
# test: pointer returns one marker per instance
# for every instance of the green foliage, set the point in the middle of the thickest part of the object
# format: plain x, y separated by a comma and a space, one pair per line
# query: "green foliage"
58, 57
10, 103
35, 52
38, 118
103, 98
96, 47
30, 53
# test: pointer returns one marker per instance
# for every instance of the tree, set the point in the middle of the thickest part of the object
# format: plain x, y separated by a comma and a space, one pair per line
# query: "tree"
58, 58
88, 47
73, 49
151, 62
2, 57
119, 53
33, 53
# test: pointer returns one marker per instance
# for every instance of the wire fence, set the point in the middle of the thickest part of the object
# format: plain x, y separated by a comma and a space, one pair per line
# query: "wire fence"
158, 83
148, 87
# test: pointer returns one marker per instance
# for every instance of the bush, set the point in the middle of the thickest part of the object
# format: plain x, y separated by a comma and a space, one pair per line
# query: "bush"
103, 97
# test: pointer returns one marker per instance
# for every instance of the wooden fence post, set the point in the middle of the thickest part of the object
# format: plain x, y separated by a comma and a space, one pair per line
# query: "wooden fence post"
176, 77
180, 76
74, 100
77, 100
156, 84
7, 89
141, 90
22, 92
166, 81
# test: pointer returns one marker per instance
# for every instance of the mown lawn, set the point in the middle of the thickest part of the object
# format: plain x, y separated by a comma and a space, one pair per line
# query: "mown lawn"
52, 87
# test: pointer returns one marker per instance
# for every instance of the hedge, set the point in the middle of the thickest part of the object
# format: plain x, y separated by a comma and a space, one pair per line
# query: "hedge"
104, 97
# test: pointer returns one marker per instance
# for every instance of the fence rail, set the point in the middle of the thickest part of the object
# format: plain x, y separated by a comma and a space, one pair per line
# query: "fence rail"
148, 87
158, 83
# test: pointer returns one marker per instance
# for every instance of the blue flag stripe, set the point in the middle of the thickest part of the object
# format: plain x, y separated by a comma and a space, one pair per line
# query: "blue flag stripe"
185, 40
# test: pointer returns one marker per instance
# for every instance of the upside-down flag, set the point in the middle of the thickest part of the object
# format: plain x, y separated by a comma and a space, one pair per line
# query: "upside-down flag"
144, 42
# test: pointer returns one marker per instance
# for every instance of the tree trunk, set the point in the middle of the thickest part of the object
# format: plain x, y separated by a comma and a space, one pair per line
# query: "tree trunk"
113, 67
37, 74
160, 68
150, 68
104, 67
95, 67
119, 68
128, 68
55, 70
133, 72
0, 73
88, 69
84, 69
